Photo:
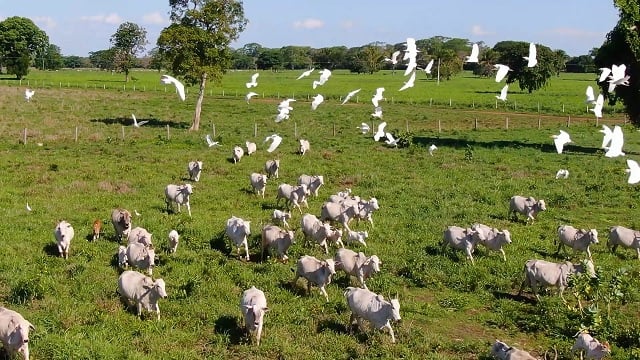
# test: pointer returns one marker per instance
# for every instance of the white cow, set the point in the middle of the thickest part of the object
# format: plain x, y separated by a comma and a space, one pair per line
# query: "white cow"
63, 234
141, 256
258, 183
142, 290
178, 194
502, 351
339, 212
271, 167
594, 349
121, 220
237, 154
313, 182
357, 236
174, 238
357, 264
492, 238
367, 305
549, 274
14, 332
461, 239
304, 146
319, 231
140, 235
122, 257
237, 230
195, 168
628, 238
280, 239
366, 209
317, 272
282, 217
294, 195
253, 306
528, 207
251, 147
577, 239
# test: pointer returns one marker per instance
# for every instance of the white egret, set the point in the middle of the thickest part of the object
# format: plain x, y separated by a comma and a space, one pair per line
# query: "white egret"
283, 114
378, 96
349, 96
531, 59
390, 140
137, 123
432, 148
562, 174
254, 81
394, 57
28, 207
608, 136
429, 66
634, 171
411, 50
364, 128
317, 100
285, 104
28, 94
475, 51
597, 109
137, 213
324, 76
591, 97
409, 83
604, 74
305, 73
377, 112
502, 71
275, 142
210, 142
250, 94
503, 93
412, 65
380, 133
561, 140
166, 79
617, 141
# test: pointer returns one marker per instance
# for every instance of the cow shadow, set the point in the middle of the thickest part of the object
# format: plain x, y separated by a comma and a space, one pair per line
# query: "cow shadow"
546, 254
333, 326
271, 206
229, 326
51, 249
515, 297
218, 242
151, 122
294, 288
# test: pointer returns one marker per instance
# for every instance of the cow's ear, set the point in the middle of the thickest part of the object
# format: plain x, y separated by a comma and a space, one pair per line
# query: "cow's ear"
147, 283
265, 309
31, 326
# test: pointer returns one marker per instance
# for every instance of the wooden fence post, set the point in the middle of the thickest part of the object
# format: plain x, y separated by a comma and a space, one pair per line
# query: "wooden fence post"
475, 124
168, 135
439, 126
122, 132
24, 138
255, 129
76, 135
506, 123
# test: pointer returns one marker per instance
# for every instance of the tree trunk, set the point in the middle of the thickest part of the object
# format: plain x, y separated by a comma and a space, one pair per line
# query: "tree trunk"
196, 117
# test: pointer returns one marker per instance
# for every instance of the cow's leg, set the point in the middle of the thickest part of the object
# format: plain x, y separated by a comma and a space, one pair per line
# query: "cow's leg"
638, 251
589, 253
393, 336
324, 292
504, 256
188, 208
246, 249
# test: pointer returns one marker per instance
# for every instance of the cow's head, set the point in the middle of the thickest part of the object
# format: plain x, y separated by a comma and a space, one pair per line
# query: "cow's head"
506, 235
395, 309
593, 235
255, 313
499, 349
159, 287
542, 206
375, 263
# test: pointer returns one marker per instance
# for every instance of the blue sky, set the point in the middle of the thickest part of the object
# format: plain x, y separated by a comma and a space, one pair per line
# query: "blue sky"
576, 26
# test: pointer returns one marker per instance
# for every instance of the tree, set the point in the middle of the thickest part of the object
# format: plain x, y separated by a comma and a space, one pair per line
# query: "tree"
372, 55
530, 79
580, 64
128, 40
196, 44
20, 41
156, 62
269, 59
53, 58
103, 59
72, 61
622, 46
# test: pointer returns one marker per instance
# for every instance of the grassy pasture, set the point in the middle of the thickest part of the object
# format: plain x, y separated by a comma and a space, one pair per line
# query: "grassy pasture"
450, 309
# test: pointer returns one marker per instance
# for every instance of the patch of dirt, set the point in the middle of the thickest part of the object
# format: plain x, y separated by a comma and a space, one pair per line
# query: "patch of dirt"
327, 155
120, 188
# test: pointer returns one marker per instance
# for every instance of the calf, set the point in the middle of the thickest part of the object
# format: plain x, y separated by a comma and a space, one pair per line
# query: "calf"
97, 229
295, 195
367, 305
275, 237
140, 235
502, 351
528, 207
594, 349
492, 238
121, 220
174, 238
251, 147
122, 257
237, 230
366, 209
461, 239
317, 272
14, 332
142, 290
339, 212
237, 154
282, 217
178, 194
357, 236
258, 183
271, 167
577, 239
357, 264
628, 238
312, 228
195, 168
313, 182
253, 306
141, 256
63, 234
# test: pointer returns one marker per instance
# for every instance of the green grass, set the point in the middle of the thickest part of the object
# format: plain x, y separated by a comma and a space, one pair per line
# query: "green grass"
450, 309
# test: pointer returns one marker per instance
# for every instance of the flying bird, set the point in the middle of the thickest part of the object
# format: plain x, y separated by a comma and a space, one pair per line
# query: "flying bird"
531, 59
28, 207
275, 141
377, 112
254, 81
137, 123
394, 57
305, 73
349, 96
283, 114
475, 51
28, 94
561, 140
317, 100
324, 76
210, 142
378, 96
597, 109
604, 74
503, 93
364, 128
409, 83
617, 141
608, 136
502, 71
412, 65
411, 51
432, 148
250, 95
562, 174
166, 79
390, 140
137, 213
380, 133
634, 171
591, 97
429, 66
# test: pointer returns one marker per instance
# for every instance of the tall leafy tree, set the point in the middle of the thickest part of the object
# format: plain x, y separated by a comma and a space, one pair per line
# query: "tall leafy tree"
196, 44
20, 41
51, 59
622, 46
129, 40
530, 79
102, 59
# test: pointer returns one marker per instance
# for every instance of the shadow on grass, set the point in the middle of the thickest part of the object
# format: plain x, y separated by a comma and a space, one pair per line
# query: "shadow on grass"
332, 325
228, 325
515, 297
294, 288
151, 122
218, 243
51, 249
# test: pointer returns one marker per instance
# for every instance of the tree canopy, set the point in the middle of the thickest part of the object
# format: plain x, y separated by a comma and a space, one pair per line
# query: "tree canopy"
129, 40
196, 44
20, 41
530, 79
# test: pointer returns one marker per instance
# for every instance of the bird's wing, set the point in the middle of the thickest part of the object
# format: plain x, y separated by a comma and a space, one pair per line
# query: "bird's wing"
276, 142
390, 137
209, 141
634, 171
559, 144
429, 66
532, 51
591, 97
135, 121
604, 74
503, 92
381, 126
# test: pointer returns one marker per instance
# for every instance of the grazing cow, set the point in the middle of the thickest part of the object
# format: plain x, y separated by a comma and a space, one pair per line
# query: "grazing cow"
357, 236
367, 305
280, 239
122, 257
304, 146
251, 147
174, 238
237, 154
492, 238
550, 274
366, 209
502, 351
238, 230
195, 168
97, 229
528, 207
594, 349
14, 332
313, 182
253, 306
63, 234
178, 194
577, 239
357, 264
339, 212
258, 183
142, 290
295, 195
317, 272
121, 220
461, 239
628, 238
282, 217
140, 235
271, 167
141, 256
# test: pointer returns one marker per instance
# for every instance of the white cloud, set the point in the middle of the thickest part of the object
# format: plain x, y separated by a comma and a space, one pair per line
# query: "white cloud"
112, 18
46, 22
347, 24
575, 33
478, 30
308, 24
154, 18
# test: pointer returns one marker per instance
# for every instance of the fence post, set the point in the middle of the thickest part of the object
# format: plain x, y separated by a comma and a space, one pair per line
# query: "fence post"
562, 107
475, 124
255, 129
24, 138
407, 125
473, 104
213, 128
430, 101
569, 121
439, 126
334, 129
496, 103
122, 132
168, 135
295, 129
449, 102
506, 123
539, 122
76, 136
